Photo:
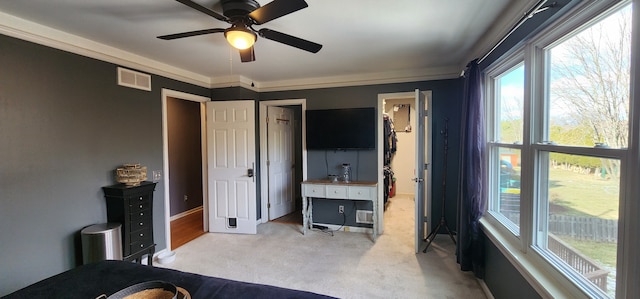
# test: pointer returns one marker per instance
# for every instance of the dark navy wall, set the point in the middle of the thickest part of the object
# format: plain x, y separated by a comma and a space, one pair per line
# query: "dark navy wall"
502, 278
65, 126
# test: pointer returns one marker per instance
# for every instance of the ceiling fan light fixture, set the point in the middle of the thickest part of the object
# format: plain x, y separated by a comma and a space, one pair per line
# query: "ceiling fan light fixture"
240, 38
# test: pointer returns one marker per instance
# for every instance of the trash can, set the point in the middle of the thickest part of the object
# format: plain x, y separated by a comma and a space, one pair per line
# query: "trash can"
101, 242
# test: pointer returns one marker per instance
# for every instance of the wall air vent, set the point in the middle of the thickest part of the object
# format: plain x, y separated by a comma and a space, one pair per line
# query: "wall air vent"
364, 216
134, 79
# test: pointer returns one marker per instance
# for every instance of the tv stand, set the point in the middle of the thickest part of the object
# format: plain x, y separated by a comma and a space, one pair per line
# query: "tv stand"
326, 189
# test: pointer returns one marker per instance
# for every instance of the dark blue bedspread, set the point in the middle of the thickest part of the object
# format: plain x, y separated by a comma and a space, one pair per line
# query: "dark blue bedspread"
108, 277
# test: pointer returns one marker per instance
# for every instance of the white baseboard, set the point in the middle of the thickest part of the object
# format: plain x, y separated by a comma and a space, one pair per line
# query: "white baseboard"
185, 213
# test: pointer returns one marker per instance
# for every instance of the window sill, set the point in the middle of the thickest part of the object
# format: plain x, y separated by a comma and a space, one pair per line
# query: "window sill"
548, 282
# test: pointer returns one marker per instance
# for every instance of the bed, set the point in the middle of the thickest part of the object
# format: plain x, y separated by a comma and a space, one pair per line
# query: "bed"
108, 277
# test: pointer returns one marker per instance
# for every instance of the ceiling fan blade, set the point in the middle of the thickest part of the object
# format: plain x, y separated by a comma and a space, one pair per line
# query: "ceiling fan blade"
276, 9
190, 33
247, 55
290, 40
203, 9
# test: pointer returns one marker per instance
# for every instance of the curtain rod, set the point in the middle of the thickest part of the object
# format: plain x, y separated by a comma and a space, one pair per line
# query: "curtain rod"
533, 11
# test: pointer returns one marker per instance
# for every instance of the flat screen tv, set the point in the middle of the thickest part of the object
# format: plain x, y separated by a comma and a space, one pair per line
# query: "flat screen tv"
341, 129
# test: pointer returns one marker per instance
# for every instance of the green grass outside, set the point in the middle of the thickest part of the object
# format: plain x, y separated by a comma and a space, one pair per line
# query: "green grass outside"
604, 253
579, 194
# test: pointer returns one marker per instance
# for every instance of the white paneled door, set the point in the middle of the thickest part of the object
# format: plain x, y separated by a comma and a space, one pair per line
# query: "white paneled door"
231, 166
280, 161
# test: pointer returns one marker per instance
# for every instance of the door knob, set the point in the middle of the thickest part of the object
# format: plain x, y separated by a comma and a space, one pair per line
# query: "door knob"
250, 171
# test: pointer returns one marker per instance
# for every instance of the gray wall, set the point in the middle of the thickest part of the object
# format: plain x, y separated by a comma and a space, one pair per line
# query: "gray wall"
64, 127
447, 101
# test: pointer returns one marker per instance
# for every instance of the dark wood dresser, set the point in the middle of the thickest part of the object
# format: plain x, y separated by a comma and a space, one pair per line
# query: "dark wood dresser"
132, 206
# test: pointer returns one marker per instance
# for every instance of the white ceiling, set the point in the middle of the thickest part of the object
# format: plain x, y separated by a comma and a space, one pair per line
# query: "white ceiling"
363, 40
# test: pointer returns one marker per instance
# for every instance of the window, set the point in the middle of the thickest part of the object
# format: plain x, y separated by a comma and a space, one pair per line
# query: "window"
507, 133
558, 114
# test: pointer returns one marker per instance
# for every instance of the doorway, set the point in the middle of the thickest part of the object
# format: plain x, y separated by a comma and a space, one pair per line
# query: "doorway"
406, 159
267, 183
184, 172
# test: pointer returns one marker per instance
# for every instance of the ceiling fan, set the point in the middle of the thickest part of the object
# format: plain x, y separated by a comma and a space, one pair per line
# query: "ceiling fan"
243, 15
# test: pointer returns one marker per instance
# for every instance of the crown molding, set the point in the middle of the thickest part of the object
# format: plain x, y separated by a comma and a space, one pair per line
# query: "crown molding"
234, 81
403, 76
47, 36
498, 30
33, 32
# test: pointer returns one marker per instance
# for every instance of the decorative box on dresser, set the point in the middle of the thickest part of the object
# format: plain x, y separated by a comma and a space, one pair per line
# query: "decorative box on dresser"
132, 206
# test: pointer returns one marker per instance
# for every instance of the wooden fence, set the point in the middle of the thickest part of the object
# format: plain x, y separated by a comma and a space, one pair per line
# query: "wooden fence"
577, 227
584, 228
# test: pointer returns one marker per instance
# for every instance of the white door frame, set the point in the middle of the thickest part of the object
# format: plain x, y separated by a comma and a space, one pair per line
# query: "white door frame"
166, 94
402, 95
264, 180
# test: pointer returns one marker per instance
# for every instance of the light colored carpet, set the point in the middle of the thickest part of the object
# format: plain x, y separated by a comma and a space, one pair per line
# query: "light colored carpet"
345, 265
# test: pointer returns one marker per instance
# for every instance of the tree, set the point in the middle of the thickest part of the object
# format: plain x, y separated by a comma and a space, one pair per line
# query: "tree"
590, 77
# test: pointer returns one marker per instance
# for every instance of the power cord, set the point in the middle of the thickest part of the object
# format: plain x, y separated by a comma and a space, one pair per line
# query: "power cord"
330, 232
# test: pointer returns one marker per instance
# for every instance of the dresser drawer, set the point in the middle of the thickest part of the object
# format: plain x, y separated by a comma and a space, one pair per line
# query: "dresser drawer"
361, 192
337, 192
314, 191
136, 246
137, 216
141, 236
139, 203
139, 224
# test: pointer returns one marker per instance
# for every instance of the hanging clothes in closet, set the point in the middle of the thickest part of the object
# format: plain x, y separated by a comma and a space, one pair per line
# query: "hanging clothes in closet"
390, 147
390, 140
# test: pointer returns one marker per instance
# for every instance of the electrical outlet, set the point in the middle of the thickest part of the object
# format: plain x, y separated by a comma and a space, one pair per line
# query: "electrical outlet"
157, 175
186, 198
341, 209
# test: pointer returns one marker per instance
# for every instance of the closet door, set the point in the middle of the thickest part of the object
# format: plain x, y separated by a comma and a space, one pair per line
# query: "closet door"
280, 161
420, 170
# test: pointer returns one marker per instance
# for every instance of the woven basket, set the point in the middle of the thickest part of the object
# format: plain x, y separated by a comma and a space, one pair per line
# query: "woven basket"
131, 174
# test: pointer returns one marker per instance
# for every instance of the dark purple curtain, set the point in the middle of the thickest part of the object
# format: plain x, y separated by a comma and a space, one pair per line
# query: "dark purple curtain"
472, 179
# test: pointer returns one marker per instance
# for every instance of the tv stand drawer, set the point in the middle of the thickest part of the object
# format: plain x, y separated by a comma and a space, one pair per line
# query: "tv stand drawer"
337, 192
316, 191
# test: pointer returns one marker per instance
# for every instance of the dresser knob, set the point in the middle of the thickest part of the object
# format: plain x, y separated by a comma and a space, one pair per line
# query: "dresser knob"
141, 224
141, 235
141, 214
140, 198
141, 206
141, 245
